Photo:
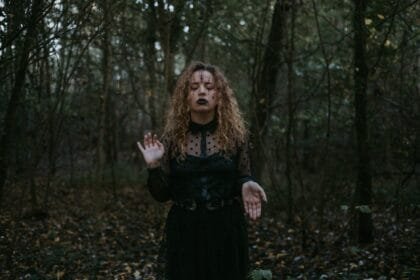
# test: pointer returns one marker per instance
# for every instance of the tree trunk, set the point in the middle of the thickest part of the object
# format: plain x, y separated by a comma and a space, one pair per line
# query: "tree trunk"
417, 116
16, 94
266, 83
104, 94
151, 65
170, 30
363, 192
326, 171
290, 117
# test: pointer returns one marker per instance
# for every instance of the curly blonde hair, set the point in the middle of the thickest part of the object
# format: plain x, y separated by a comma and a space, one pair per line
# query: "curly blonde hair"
231, 129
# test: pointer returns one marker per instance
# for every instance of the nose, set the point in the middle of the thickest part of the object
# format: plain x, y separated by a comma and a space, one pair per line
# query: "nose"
202, 90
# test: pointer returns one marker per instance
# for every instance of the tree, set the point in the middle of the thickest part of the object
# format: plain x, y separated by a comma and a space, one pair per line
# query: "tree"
267, 81
32, 20
105, 91
363, 192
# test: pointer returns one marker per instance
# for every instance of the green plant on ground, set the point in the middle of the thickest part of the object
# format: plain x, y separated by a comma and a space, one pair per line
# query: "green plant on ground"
260, 274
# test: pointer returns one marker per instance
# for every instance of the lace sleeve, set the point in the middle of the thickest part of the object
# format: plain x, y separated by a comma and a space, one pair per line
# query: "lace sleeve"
244, 165
158, 179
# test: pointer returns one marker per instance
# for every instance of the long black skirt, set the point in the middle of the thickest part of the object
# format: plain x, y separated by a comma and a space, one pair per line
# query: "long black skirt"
206, 244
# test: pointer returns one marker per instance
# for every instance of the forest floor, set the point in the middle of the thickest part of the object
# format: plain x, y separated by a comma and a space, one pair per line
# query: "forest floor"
88, 234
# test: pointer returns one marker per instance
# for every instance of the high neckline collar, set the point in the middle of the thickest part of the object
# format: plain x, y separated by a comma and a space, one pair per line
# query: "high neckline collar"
197, 127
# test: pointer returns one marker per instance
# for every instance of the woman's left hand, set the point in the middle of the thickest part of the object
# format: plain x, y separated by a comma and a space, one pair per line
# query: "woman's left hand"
252, 194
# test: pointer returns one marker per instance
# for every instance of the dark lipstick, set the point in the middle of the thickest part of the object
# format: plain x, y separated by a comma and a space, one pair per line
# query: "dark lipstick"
202, 101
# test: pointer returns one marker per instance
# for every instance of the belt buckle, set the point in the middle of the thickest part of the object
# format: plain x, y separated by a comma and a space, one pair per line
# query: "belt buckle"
215, 204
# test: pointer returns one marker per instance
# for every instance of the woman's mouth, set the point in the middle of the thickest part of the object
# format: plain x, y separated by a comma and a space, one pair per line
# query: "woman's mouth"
202, 101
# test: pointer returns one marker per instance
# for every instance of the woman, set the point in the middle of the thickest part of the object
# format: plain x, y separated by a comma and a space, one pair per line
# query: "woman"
203, 166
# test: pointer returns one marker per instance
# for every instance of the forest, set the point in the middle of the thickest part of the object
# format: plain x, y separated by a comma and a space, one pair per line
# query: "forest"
330, 91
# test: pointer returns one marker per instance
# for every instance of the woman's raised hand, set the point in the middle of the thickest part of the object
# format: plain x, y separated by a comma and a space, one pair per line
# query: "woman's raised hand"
152, 150
252, 196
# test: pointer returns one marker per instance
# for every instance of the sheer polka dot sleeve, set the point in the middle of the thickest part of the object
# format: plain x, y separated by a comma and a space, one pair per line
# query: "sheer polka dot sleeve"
157, 181
244, 164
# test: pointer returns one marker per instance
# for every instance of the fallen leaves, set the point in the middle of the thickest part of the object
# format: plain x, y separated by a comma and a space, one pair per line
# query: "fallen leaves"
91, 235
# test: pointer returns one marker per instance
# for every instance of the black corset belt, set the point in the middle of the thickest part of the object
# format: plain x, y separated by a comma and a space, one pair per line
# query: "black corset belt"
213, 204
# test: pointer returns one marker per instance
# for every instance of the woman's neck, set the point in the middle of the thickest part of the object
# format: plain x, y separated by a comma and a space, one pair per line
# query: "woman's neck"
202, 118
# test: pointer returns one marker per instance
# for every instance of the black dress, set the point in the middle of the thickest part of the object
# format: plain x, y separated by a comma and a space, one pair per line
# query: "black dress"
206, 231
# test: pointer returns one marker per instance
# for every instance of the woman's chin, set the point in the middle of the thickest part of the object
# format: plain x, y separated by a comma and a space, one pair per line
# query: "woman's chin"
203, 110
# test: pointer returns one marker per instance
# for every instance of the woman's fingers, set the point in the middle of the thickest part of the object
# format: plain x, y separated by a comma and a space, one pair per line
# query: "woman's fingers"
253, 195
151, 140
160, 145
248, 208
263, 195
251, 213
258, 209
253, 208
146, 140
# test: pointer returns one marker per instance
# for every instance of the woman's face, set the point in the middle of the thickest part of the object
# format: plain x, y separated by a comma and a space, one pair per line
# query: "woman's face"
203, 96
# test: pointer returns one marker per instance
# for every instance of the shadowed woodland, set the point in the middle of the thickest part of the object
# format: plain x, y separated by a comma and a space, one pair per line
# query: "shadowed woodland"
330, 91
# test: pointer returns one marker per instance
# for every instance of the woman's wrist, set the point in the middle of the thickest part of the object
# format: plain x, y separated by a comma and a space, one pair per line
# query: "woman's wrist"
153, 164
243, 179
